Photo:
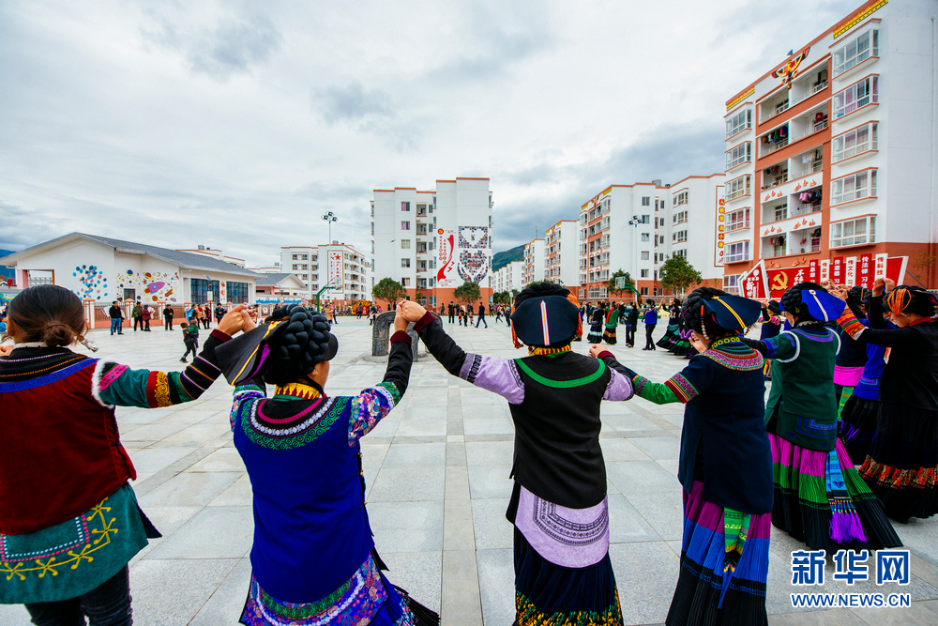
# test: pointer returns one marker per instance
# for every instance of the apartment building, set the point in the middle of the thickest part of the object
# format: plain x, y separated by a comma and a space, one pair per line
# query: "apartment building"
534, 264
507, 278
339, 266
685, 226
561, 248
831, 156
434, 241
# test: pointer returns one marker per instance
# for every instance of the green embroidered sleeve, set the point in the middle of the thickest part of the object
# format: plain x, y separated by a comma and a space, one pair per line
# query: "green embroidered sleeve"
654, 392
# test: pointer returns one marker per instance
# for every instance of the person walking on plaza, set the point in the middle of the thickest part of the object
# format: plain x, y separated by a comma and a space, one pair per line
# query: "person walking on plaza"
631, 323
597, 321
563, 573
471, 314
313, 557
145, 316
373, 313
651, 320
168, 314
819, 496
207, 316
219, 311
481, 319
137, 314
612, 321
190, 337
117, 318
725, 465
69, 520
451, 308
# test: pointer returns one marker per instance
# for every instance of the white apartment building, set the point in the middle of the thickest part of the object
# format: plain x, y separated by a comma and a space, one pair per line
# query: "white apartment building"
831, 155
685, 225
561, 247
434, 241
337, 265
508, 278
534, 264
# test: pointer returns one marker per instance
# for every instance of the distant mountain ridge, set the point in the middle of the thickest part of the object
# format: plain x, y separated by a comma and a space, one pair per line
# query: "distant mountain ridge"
501, 259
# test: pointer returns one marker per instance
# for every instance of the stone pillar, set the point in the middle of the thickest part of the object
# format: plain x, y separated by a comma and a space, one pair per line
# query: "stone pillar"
89, 313
381, 335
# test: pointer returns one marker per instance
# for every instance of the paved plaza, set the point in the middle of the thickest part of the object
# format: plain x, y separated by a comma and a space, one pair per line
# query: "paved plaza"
437, 473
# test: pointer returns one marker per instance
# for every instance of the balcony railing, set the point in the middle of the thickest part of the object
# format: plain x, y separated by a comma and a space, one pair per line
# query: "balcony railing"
776, 183
779, 109
742, 191
772, 147
813, 90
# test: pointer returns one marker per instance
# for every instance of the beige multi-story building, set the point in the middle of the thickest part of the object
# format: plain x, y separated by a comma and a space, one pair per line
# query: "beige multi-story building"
434, 241
561, 249
831, 155
507, 278
532, 269
339, 266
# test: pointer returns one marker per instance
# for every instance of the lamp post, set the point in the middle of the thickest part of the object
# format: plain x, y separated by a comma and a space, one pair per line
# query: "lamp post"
329, 218
635, 221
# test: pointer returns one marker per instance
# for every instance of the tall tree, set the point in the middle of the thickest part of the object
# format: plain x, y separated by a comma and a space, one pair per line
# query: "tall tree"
389, 290
677, 273
468, 292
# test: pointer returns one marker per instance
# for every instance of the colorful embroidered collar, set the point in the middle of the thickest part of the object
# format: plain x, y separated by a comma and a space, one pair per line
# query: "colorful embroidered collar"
296, 390
537, 351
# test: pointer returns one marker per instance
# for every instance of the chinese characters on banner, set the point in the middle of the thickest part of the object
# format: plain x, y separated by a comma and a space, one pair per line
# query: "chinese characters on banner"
837, 270
753, 285
850, 273
865, 271
721, 223
813, 271
880, 271
335, 269
446, 259
760, 283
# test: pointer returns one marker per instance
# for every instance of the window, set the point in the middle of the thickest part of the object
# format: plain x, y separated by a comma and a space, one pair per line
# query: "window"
737, 220
679, 199
738, 123
644, 274
853, 232
305, 257
645, 237
854, 187
737, 187
646, 200
405, 206
857, 51
646, 219
203, 290
405, 225
295, 257
645, 255
405, 262
682, 253
405, 282
237, 292
856, 96
661, 239
738, 155
296, 266
659, 221
731, 283
737, 252
405, 244
679, 236
680, 216
644, 291
854, 142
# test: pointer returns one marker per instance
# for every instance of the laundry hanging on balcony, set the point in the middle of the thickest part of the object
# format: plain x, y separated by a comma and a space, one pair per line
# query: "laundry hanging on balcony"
809, 197
776, 135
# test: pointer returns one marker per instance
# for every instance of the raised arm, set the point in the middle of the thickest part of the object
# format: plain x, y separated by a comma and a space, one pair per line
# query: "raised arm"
118, 385
372, 405
784, 347
906, 337
496, 375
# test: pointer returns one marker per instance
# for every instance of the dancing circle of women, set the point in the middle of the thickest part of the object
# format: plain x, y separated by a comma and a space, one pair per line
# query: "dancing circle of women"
848, 388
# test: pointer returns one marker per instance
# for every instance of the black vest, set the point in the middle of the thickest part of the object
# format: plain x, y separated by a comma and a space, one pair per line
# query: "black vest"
557, 453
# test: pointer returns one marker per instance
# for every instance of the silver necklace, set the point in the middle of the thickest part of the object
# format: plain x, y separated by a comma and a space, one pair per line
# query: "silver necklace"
30, 344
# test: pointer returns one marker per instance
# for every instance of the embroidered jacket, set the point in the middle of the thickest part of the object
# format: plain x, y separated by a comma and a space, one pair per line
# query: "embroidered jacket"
64, 453
301, 450
554, 402
724, 439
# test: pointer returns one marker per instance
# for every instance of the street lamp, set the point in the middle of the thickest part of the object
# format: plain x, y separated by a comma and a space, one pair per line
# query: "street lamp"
329, 218
635, 221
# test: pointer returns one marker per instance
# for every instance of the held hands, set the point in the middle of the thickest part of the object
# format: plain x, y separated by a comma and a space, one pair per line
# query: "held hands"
595, 350
233, 321
411, 311
400, 322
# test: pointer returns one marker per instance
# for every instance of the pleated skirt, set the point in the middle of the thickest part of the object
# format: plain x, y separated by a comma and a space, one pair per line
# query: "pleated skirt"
900, 467
609, 336
857, 427
697, 597
802, 507
595, 334
670, 335
551, 595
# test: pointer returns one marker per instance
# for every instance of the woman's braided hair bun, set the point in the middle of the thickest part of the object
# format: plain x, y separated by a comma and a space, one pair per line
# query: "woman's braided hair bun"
697, 317
299, 347
793, 303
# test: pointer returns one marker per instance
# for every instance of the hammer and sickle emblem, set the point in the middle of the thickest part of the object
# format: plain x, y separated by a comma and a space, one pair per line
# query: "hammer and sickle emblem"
780, 282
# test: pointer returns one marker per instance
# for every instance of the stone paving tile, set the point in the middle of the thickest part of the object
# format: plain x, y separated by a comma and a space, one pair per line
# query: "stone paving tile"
437, 466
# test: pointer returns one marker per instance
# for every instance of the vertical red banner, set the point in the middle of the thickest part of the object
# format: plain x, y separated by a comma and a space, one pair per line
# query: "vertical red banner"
837, 270
814, 274
865, 271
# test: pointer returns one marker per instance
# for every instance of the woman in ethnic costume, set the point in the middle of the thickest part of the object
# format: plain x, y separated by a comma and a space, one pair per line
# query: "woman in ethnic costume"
313, 557
669, 339
563, 574
771, 326
69, 520
901, 464
858, 415
819, 496
597, 321
848, 367
725, 466
612, 321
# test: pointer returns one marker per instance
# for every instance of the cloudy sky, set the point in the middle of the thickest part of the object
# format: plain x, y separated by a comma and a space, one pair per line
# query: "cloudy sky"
237, 124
